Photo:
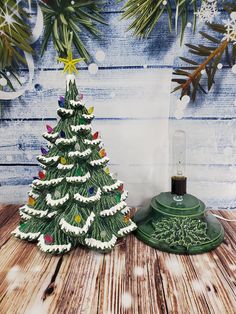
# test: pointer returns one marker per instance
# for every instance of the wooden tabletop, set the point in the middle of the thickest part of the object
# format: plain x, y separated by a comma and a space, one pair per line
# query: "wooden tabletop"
133, 278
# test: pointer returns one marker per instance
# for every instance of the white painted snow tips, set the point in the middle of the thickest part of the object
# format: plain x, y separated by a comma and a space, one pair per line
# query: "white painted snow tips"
24, 216
99, 162
50, 145
124, 195
100, 244
68, 112
42, 166
24, 235
52, 214
76, 103
88, 116
66, 141
92, 142
89, 199
32, 194
127, 229
53, 247
64, 167
50, 136
126, 210
78, 179
112, 187
47, 182
56, 202
79, 154
47, 160
113, 209
34, 212
66, 227
82, 127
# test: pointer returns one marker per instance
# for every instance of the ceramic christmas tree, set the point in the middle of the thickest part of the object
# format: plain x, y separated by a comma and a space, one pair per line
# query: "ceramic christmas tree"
75, 200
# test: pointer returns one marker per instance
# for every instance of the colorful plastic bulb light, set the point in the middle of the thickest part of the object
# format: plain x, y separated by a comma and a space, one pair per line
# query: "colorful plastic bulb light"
90, 110
62, 134
42, 175
95, 135
102, 153
49, 128
44, 151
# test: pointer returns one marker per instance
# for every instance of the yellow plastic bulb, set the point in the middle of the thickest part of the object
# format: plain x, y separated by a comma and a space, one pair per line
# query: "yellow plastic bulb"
107, 170
31, 201
126, 219
102, 153
90, 110
78, 219
63, 160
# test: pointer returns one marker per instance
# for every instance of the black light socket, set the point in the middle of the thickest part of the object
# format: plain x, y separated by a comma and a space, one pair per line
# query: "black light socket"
178, 185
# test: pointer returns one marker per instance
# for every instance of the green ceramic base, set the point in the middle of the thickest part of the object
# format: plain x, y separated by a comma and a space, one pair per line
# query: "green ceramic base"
184, 228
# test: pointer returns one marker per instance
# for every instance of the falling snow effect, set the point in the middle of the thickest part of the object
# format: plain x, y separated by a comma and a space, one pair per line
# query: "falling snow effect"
15, 277
138, 271
100, 55
126, 300
93, 68
207, 12
234, 68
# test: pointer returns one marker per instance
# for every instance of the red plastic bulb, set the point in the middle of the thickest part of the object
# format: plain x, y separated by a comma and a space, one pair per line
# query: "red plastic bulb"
42, 175
48, 239
95, 135
121, 187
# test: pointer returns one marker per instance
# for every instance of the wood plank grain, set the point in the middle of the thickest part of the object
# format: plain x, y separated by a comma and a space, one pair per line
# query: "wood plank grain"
220, 195
177, 273
212, 159
210, 278
77, 285
128, 280
25, 273
6, 211
134, 278
123, 93
114, 93
207, 143
121, 48
9, 218
143, 274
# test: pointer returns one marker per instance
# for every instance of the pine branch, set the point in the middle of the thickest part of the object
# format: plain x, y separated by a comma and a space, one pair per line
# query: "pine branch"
196, 75
218, 51
15, 35
147, 13
65, 23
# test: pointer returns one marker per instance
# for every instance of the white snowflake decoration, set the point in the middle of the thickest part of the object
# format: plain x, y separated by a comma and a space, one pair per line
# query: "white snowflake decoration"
207, 12
230, 26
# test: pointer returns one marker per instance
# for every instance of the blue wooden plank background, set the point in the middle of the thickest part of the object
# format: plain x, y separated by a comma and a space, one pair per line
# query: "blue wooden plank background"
135, 114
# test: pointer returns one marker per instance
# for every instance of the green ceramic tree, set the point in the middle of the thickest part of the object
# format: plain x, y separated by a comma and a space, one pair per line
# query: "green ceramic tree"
75, 200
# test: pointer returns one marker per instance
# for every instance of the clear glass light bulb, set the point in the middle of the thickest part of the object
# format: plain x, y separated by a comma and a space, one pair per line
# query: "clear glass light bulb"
178, 180
179, 153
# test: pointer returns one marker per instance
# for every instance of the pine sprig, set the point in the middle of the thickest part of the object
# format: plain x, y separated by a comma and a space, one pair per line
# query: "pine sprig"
221, 49
14, 38
191, 84
147, 13
65, 22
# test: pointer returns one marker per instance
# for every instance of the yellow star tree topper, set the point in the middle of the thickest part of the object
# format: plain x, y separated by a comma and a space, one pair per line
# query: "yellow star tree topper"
70, 63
